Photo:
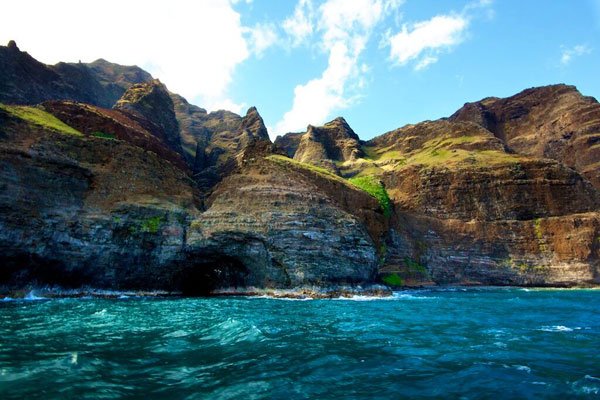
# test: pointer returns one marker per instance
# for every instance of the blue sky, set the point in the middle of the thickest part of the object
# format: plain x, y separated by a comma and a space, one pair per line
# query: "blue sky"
379, 63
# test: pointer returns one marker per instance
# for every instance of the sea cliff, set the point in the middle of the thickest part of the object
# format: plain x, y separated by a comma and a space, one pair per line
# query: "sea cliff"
109, 180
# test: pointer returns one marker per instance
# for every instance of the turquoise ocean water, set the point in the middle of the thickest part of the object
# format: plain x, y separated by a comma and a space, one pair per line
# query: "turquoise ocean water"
453, 343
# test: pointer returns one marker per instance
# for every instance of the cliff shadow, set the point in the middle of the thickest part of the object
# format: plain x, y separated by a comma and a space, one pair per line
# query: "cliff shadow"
22, 269
201, 274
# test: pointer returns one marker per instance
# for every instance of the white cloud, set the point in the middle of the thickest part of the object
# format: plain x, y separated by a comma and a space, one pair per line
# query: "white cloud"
345, 27
262, 36
425, 62
569, 53
193, 47
300, 25
424, 41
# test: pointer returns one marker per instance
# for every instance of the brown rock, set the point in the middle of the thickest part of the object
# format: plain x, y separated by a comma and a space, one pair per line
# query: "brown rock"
553, 122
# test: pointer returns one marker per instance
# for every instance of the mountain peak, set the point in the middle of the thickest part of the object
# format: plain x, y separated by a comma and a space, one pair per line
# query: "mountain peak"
254, 124
151, 105
12, 45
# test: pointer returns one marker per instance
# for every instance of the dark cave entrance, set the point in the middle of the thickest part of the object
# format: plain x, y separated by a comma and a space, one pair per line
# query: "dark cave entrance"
19, 269
203, 274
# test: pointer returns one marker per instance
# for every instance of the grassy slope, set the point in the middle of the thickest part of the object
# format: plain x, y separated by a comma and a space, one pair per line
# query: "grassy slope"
39, 117
375, 188
440, 152
283, 160
368, 184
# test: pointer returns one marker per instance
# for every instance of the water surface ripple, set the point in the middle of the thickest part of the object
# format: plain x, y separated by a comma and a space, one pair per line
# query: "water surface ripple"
502, 343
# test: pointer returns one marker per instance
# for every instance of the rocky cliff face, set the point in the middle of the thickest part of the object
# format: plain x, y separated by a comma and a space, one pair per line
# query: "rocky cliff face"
77, 209
324, 145
470, 212
85, 210
112, 124
287, 226
157, 193
227, 138
24, 80
151, 106
554, 122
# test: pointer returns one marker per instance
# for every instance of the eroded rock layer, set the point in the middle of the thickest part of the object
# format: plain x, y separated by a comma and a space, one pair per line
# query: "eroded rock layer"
552, 122
156, 193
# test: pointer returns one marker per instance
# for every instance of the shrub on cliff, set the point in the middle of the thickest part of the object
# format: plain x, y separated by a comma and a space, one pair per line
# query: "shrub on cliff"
375, 188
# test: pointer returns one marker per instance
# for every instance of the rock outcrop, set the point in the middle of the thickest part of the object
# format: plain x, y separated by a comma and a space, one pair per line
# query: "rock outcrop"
554, 122
151, 106
324, 145
286, 226
24, 80
468, 211
227, 138
112, 124
84, 210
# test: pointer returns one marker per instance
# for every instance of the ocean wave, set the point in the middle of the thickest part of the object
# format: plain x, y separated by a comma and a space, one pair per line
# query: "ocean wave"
412, 296
100, 313
278, 297
587, 385
556, 328
359, 297
32, 296
522, 368
52, 293
233, 331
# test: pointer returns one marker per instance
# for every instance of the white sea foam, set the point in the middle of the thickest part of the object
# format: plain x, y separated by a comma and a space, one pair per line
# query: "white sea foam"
556, 328
522, 368
233, 331
32, 296
280, 297
358, 297
412, 296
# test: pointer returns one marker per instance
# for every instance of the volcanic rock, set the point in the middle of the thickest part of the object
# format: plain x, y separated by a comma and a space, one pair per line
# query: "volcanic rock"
554, 122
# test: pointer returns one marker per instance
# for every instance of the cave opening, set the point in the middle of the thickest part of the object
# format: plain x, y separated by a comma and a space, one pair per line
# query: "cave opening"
21, 269
203, 274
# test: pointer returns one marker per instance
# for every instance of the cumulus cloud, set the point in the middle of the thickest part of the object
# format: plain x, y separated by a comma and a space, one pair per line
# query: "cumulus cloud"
300, 26
262, 36
422, 42
425, 62
569, 53
344, 28
193, 47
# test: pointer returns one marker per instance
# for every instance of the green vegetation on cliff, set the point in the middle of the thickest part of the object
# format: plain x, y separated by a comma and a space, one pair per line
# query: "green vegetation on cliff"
39, 117
370, 184
465, 150
393, 280
152, 224
375, 188
103, 135
286, 161
440, 156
